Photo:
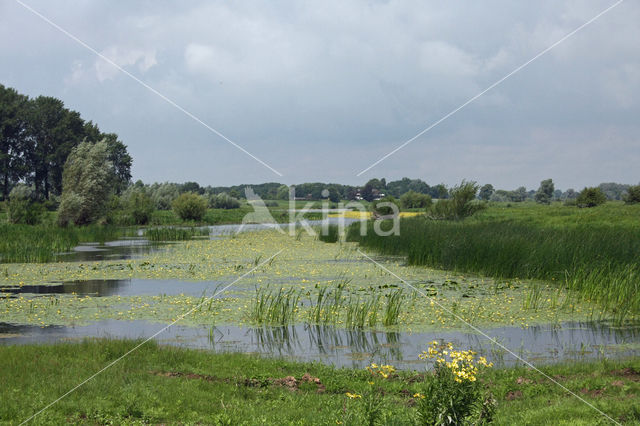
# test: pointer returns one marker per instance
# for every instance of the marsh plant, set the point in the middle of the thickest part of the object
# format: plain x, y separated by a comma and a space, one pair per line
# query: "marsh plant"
452, 394
460, 204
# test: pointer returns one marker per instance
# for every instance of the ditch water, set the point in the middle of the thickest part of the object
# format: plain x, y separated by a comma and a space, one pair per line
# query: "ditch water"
137, 247
357, 349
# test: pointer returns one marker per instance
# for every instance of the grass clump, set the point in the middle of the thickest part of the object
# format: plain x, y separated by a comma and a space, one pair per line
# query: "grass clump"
330, 234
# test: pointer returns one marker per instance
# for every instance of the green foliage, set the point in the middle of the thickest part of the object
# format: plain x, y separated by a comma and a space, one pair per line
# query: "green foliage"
85, 184
460, 204
190, 206
545, 192
486, 192
22, 207
138, 206
415, 200
591, 197
633, 195
223, 201
379, 208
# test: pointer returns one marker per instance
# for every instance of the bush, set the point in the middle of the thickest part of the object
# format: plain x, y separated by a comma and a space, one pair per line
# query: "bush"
591, 197
190, 206
461, 203
383, 210
633, 195
22, 207
139, 206
223, 201
415, 200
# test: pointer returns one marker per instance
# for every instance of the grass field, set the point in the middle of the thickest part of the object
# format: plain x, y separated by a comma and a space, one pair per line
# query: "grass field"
159, 385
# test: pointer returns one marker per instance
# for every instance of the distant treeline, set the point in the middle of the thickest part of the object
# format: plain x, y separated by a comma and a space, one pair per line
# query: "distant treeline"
164, 193
36, 137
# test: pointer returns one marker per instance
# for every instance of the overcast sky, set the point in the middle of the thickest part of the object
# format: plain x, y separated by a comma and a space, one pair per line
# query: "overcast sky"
321, 90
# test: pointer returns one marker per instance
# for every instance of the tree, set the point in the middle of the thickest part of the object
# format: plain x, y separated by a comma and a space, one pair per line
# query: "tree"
486, 192
13, 127
53, 132
545, 192
591, 197
223, 201
282, 193
190, 206
85, 189
633, 195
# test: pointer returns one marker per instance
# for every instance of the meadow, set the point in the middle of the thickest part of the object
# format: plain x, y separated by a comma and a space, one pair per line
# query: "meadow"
159, 385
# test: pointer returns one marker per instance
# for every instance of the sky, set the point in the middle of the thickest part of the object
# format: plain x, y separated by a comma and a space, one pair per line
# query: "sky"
321, 90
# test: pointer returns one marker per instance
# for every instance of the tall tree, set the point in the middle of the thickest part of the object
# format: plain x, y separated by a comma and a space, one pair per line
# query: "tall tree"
12, 134
545, 192
53, 132
118, 156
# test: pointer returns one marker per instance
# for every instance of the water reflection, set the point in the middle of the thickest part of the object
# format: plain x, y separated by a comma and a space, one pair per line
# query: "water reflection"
131, 248
129, 287
357, 348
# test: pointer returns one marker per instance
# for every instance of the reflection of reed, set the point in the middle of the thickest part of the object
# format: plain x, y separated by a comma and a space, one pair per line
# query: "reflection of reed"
282, 340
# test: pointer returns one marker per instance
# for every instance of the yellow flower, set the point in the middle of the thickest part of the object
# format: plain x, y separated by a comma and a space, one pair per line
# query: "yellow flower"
418, 395
353, 395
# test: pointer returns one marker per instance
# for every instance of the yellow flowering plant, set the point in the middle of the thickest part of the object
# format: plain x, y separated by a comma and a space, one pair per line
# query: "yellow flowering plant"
452, 394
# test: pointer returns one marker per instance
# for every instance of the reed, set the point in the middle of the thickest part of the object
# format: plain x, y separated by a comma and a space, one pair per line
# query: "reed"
597, 259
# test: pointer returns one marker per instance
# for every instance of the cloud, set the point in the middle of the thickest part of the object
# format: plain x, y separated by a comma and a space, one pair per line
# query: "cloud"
143, 60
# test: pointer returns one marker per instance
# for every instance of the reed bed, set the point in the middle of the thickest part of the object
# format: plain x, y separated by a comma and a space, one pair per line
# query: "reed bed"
41, 243
597, 261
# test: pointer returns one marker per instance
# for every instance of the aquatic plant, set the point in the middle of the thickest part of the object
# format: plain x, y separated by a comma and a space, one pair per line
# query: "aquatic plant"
274, 307
174, 234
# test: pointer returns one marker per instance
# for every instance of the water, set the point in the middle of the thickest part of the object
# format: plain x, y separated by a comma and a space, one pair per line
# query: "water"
356, 349
133, 248
128, 287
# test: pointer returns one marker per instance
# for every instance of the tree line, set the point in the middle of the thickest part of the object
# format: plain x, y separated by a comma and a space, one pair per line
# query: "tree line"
36, 137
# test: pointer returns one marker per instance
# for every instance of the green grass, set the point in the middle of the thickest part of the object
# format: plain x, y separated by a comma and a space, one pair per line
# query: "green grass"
170, 385
592, 251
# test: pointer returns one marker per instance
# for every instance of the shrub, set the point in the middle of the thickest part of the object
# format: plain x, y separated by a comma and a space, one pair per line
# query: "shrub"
591, 197
139, 206
461, 203
22, 207
415, 200
271, 203
223, 201
383, 210
190, 206
633, 195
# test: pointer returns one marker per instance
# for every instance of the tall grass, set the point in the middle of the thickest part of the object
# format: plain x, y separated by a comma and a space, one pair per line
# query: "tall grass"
331, 235
41, 243
600, 261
